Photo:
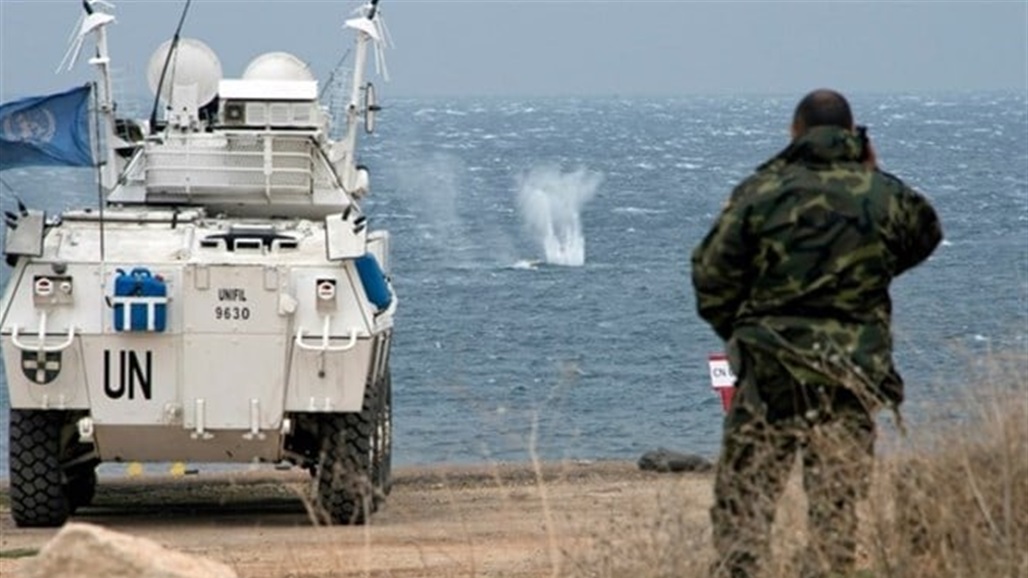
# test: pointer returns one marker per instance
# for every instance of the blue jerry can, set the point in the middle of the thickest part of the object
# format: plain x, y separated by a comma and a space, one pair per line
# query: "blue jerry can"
145, 296
374, 280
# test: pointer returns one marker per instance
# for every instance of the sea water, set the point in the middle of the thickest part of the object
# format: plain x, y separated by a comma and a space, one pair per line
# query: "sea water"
541, 258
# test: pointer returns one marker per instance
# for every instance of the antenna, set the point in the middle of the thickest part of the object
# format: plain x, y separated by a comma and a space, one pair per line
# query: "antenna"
95, 22
167, 61
87, 23
332, 75
369, 31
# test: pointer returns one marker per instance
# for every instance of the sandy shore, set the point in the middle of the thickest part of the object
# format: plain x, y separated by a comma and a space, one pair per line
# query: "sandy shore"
439, 521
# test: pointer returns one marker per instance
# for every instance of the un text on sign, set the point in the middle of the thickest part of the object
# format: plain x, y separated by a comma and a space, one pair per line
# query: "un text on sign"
721, 375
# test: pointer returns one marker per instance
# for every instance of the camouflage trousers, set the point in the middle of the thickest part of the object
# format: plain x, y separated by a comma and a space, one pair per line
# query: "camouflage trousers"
835, 439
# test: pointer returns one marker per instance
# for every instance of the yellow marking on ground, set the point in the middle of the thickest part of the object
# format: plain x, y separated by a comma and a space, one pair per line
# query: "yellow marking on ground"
135, 469
178, 469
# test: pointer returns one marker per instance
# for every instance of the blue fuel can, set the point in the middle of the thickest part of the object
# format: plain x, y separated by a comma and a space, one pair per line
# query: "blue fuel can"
376, 287
144, 296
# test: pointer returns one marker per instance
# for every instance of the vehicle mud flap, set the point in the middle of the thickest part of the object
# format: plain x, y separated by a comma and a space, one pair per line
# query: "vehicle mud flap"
81, 489
382, 457
38, 498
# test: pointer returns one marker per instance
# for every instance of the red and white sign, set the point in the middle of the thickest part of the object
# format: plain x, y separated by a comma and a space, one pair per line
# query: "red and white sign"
721, 378
720, 372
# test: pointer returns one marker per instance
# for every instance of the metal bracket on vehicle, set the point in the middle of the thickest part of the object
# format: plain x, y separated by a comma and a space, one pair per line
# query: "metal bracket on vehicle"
85, 427
255, 422
200, 431
324, 345
41, 345
326, 407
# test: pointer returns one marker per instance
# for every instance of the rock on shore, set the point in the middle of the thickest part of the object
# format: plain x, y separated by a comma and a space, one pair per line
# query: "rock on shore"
665, 460
89, 551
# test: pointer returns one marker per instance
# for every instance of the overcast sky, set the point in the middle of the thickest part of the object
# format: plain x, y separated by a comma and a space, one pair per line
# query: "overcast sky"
524, 47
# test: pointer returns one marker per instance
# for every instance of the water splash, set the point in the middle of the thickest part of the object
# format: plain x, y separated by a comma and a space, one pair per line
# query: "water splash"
551, 204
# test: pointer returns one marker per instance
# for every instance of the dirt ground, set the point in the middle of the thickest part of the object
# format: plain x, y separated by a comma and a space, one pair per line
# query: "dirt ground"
482, 521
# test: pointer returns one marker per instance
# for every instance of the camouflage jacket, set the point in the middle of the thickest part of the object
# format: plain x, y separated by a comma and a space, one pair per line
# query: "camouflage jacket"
799, 262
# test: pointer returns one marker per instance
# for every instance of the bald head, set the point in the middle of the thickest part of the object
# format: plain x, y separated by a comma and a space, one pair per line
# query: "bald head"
822, 107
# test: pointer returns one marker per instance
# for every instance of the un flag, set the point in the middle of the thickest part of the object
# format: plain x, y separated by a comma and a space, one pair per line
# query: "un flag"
46, 130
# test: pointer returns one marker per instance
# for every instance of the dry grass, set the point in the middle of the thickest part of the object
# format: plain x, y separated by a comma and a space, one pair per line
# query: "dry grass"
952, 504
959, 509
672, 543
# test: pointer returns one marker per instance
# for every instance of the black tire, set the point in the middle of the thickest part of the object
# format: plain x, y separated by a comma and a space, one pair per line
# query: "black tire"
38, 498
343, 483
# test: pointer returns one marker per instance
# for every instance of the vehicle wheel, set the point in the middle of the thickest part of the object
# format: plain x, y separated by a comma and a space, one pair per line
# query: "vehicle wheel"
383, 455
344, 490
38, 498
81, 489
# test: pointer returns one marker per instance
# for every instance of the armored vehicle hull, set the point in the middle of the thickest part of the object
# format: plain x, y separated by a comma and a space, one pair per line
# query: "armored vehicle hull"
227, 302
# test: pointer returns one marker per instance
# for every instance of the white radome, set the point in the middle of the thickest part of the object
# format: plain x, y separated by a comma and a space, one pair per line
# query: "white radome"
277, 66
194, 63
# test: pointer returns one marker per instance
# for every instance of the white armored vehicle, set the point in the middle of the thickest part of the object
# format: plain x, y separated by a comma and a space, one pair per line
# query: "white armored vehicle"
225, 302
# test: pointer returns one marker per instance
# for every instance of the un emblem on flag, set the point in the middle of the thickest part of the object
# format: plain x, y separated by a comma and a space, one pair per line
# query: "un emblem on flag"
33, 125
41, 367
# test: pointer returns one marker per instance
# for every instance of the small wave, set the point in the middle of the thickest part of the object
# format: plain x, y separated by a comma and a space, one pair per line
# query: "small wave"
638, 211
527, 264
516, 108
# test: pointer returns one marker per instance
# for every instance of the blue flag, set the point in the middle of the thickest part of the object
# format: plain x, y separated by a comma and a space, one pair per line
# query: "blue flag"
46, 130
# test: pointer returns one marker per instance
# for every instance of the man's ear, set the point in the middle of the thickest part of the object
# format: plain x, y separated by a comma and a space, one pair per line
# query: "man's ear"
795, 130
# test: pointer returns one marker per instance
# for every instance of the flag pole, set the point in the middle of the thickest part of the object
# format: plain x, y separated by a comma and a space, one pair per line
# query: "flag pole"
99, 181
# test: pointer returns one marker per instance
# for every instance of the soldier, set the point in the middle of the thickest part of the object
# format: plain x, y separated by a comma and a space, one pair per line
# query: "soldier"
794, 276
